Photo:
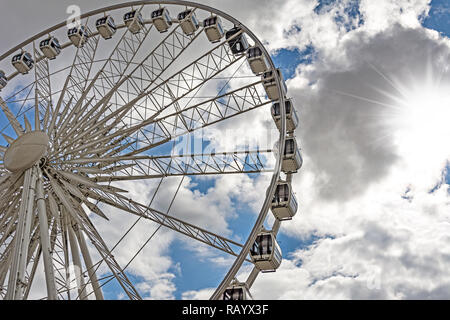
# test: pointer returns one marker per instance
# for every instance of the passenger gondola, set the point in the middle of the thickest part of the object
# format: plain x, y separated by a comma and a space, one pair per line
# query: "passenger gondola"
134, 21
257, 60
265, 252
50, 47
78, 36
3, 79
161, 19
106, 27
213, 28
236, 291
188, 21
292, 158
291, 115
270, 84
23, 62
237, 40
284, 204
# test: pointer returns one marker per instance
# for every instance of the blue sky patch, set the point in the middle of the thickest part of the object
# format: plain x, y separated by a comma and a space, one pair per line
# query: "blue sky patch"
288, 60
350, 18
445, 178
203, 184
438, 17
196, 273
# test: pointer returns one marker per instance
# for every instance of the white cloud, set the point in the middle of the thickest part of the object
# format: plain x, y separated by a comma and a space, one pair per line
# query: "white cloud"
374, 243
378, 244
355, 173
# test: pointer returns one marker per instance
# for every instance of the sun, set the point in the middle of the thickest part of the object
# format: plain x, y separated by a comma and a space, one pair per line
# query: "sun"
419, 120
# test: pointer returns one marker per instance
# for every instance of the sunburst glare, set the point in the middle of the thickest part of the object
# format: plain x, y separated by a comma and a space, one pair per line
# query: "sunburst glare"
418, 119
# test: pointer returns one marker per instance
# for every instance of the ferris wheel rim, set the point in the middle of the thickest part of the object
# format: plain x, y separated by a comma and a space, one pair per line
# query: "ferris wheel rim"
276, 172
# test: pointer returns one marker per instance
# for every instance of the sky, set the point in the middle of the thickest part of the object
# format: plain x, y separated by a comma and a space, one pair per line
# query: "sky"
371, 83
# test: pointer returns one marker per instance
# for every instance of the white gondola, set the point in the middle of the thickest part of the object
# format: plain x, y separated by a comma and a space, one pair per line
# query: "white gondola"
284, 204
213, 28
78, 36
50, 47
270, 84
3, 80
161, 19
134, 21
265, 252
291, 115
292, 158
238, 43
188, 21
106, 27
23, 62
257, 60
237, 291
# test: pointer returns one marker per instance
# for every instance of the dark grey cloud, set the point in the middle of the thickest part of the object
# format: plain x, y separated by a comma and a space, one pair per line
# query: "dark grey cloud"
342, 130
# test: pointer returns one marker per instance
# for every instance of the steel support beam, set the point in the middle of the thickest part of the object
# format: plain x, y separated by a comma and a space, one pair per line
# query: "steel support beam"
45, 239
17, 283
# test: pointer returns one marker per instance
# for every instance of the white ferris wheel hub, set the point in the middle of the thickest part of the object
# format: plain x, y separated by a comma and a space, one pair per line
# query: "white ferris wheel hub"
25, 151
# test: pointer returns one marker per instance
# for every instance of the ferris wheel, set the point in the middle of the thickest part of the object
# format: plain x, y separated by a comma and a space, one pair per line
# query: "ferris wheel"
102, 102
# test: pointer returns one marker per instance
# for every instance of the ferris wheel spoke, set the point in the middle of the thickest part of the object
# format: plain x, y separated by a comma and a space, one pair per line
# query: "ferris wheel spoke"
27, 124
71, 111
60, 248
8, 225
76, 257
149, 71
16, 281
94, 140
145, 73
60, 102
173, 45
10, 214
43, 90
92, 126
178, 225
63, 121
113, 71
153, 65
56, 248
212, 111
26, 91
11, 118
109, 259
123, 168
7, 194
5, 261
102, 116
34, 260
93, 280
111, 75
78, 77
79, 217
5, 256
104, 80
84, 60
87, 124
190, 78
201, 115
175, 42
77, 193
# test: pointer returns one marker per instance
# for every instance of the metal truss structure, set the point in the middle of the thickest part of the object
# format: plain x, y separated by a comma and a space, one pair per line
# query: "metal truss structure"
110, 115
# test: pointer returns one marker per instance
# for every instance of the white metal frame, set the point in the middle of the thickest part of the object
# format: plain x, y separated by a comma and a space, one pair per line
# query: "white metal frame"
65, 192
